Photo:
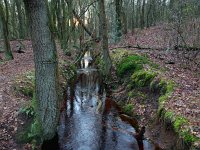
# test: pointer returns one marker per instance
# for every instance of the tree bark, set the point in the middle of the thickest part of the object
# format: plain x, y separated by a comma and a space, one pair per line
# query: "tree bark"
142, 15
45, 58
118, 20
103, 23
21, 28
4, 19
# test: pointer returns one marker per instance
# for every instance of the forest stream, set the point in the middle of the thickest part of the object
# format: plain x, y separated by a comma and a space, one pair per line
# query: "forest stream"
91, 121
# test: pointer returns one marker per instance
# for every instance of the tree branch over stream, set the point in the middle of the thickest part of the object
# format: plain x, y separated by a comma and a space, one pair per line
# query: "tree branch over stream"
81, 22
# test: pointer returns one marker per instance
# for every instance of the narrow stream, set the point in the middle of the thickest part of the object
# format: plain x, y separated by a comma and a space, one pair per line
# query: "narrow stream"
92, 121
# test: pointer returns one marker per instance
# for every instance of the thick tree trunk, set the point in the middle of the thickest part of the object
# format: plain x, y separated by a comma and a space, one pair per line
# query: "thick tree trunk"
103, 23
45, 58
4, 19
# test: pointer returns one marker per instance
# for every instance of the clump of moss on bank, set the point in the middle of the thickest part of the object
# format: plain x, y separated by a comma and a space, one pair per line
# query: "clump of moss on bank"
141, 79
128, 109
131, 64
180, 126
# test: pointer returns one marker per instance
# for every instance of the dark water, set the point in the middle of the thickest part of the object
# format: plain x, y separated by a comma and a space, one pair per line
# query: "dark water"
92, 122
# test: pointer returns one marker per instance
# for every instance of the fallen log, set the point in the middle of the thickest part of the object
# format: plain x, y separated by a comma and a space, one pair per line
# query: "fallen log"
137, 47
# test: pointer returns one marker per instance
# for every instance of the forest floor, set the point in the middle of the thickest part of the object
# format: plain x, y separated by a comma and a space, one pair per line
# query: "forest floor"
9, 102
185, 99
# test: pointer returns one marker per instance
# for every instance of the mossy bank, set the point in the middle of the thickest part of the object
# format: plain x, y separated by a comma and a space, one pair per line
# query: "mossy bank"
146, 90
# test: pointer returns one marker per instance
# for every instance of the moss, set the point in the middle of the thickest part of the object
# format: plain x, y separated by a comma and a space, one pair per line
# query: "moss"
131, 64
118, 55
137, 94
188, 137
169, 115
128, 109
25, 84
179, 121
142, 78
179, 124
167, 91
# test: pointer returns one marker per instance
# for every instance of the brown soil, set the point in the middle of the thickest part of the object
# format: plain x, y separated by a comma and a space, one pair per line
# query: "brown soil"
9, 102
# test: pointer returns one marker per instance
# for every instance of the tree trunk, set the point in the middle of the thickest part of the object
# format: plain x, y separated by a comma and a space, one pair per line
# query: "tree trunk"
118, 20
4, 19
142, 15
103, 23
64, 26
133, 16
124, 20
138, 14
45, 58
21, 28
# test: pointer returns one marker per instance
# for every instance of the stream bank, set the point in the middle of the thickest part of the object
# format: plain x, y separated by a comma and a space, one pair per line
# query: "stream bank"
91, 120
142, 91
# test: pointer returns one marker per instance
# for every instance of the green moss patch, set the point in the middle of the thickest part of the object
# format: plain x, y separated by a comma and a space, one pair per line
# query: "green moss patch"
131, 64
118, 55
142, 78
128, 109
180, 126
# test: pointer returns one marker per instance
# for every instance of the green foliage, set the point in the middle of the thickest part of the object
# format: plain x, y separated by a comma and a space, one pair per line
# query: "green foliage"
142, 78
179, 121
68, 71
168, 91
25, 84
28, 111
128, 109
32, 132
188, 137
35, 131
131, 64
169, 115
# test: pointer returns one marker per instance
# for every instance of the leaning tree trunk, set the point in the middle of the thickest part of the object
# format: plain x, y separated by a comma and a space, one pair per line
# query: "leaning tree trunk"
4, 20
104, 33
45, 58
